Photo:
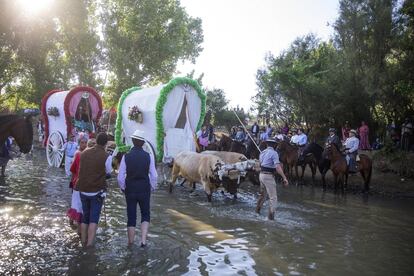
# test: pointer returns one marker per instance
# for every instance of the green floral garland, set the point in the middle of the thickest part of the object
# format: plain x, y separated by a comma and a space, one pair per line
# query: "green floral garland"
160, 107
118, 126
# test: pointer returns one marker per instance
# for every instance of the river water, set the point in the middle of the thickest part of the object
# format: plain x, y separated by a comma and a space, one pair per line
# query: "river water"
314, 232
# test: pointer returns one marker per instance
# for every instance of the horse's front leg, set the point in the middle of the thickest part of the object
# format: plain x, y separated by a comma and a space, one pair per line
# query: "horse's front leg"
303, 172
323, 181
346, 180
313, 169
297, 173
336, 182
341, 181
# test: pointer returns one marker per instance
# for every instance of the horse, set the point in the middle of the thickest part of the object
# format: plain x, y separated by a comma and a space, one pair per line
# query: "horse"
312, 157
288, 157
225, 143
238, 147
365, 169
20, 128
338, 166
250, 149
252, 152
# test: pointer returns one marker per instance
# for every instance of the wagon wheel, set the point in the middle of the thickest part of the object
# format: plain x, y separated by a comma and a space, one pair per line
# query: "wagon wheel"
54, 149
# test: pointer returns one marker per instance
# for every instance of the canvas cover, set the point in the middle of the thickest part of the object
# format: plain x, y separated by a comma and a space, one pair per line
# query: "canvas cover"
182, 100
57, 123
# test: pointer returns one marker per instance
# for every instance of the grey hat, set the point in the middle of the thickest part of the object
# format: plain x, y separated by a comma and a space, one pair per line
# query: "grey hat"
332, 129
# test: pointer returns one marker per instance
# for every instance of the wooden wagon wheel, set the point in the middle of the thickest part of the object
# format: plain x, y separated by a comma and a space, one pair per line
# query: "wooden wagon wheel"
54, 149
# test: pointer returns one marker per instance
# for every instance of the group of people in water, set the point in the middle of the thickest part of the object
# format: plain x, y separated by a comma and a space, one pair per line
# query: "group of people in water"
91, 166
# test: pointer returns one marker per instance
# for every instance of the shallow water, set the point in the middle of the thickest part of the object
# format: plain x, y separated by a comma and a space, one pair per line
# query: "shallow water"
314, 232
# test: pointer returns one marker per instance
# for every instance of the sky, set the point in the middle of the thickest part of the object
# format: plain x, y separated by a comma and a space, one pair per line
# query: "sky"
239, 33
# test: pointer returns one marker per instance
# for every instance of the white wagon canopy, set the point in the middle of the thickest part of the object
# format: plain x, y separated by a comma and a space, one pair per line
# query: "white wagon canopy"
169, 115
68, 112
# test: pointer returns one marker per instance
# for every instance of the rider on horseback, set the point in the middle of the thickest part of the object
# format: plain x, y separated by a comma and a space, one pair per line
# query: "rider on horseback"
300, 139
240, 135
333, 138
351, 149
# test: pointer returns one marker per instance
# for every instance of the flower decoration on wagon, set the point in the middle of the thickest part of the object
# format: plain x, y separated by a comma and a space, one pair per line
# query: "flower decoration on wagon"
134, 114
53, 111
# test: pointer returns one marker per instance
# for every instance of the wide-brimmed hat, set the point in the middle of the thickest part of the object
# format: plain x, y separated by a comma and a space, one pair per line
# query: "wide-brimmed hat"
353, 131
332, 129
270, 140
138, 134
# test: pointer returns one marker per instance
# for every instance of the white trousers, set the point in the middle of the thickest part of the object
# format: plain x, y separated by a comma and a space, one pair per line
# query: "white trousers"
68, 163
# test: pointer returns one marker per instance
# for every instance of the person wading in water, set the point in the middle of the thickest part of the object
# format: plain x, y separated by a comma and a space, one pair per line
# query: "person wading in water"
137, 178
269, 164
93, 171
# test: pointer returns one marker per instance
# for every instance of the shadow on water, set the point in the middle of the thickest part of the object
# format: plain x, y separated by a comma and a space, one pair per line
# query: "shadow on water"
315, 232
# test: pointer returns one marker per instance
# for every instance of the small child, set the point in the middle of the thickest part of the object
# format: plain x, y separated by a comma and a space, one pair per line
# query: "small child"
70, 148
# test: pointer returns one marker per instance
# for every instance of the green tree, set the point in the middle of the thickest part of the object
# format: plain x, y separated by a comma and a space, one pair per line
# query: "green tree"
144, 40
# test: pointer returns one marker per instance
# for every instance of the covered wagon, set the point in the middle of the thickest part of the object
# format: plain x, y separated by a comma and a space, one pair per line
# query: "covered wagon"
169, 115
67, 113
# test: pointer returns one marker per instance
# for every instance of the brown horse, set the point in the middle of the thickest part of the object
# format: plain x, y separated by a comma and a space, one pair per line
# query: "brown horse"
365, 169
20, 128
225, 143
312, 156
288, 157
339, 166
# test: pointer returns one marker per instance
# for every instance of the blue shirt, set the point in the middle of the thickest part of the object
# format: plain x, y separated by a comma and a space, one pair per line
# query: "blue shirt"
269, 158
240, 136
352, 144
71, 148
264, 136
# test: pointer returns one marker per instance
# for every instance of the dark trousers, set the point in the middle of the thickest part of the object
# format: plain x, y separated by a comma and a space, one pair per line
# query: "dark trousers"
132, 199
91, 207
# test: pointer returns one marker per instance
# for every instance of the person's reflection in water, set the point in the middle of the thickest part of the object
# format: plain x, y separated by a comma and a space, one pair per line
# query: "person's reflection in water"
86, 262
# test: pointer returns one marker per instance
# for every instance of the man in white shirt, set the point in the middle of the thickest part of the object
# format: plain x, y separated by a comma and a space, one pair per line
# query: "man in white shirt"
302, 139
295, 137
351, 149
137, 178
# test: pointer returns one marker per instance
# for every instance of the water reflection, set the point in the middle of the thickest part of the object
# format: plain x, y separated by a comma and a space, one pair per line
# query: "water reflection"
314, 232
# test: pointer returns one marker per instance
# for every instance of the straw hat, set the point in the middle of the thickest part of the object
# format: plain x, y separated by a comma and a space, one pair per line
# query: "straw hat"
138, 134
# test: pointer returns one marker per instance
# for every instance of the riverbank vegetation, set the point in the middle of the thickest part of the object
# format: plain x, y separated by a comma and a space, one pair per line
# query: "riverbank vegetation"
364, 72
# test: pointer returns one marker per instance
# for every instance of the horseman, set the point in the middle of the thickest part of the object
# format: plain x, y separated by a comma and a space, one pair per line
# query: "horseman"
240, 135
333, 138
300, 139
295, 137
351, 149
278, 135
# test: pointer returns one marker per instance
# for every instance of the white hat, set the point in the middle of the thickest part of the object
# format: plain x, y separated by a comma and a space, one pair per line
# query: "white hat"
271, 140
138, 134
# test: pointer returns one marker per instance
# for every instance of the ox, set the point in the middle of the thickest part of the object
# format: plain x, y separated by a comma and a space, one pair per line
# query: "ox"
195, 167
237, 165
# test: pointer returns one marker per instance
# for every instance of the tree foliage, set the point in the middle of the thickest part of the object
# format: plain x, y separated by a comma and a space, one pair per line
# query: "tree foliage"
361, 74
110, 45
145, 40
218, 111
